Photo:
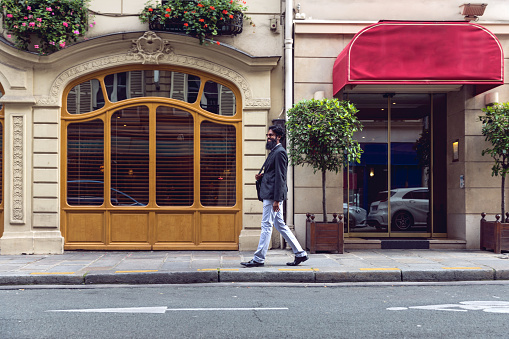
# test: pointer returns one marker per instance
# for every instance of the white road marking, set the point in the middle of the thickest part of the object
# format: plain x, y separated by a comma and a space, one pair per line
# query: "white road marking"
164, 309
463, 306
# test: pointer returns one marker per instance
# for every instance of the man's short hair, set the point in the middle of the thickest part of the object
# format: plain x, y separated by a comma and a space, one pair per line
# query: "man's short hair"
278, 130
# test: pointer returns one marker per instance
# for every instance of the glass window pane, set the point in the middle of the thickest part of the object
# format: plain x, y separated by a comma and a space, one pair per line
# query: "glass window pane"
152, 83
130, 157
85, 97
217, 164
174, 157
366, 196
410, 157
85, 163
218, 99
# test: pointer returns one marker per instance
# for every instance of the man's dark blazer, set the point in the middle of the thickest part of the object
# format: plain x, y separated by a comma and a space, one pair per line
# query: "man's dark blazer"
273, 185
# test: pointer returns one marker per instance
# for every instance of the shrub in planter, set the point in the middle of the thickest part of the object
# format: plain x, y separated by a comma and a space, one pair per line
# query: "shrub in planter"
321, 135
203, 19
45, 26
495, 128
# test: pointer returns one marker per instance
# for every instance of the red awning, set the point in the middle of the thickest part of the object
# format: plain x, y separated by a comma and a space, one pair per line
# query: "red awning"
421, 53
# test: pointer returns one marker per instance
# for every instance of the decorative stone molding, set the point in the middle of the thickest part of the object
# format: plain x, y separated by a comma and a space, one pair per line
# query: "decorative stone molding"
158, 51
18, 210
150, 48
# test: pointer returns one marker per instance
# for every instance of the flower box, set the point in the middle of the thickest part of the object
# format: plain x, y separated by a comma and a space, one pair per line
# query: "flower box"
202, 19
228, 27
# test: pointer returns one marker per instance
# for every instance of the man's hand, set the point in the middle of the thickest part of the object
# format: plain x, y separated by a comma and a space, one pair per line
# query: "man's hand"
258, 176
275, 206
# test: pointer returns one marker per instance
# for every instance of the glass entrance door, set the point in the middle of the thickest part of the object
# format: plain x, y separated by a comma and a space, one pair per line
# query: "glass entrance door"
390, 192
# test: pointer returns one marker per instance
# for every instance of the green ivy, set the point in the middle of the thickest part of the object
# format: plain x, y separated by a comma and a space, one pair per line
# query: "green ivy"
321, 135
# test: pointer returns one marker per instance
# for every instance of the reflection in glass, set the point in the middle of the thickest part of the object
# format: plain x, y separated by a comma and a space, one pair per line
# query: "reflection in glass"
130, 157
218, 99
152, 83
174, 157
85, 97
410, 162
402, 200
217, 164
365, 196
85, 163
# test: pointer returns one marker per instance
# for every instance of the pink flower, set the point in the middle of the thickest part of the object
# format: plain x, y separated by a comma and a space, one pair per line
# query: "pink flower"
9, 15
30, 16
76, 32
49, 9
65, 24
23, 24
32, 24
36, 46
52, 43
29, 8
62, 44
39, 19
25, 18
91, 25
8, 36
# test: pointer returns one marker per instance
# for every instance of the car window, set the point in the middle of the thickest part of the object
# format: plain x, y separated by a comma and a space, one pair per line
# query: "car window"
417, 194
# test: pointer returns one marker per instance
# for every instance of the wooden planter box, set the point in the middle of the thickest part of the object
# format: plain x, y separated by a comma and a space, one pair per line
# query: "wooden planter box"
495, 234
324, 236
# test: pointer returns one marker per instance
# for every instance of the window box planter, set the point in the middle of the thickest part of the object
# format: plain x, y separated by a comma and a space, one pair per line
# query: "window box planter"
232, 26
202, 19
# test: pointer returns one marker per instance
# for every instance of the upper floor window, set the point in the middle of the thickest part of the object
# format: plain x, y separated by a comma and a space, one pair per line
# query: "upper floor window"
94, 94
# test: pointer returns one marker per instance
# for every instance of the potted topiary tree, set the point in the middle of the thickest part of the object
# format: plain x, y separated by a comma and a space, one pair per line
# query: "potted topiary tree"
321, 135
495, 128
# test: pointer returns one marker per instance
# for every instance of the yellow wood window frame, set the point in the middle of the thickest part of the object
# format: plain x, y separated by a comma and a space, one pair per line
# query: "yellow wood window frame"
205, 221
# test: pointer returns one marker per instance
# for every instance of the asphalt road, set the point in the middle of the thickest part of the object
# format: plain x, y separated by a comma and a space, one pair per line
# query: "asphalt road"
456, 310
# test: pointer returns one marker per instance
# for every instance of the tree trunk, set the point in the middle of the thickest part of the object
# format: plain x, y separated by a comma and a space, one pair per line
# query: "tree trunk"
503, 198
324, 202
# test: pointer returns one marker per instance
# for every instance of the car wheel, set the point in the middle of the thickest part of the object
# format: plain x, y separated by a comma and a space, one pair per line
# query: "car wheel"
402, 220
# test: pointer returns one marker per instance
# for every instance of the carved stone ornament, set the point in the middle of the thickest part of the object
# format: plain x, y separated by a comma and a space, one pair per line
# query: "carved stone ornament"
150, 48
158, 51
17, 170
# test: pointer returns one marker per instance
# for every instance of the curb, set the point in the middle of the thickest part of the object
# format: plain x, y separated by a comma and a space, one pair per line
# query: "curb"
261, 276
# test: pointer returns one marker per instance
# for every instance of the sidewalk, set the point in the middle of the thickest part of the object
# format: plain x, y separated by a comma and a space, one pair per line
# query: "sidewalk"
177, 267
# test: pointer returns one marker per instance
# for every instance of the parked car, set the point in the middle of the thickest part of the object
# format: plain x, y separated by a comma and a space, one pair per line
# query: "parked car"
118, 198
409, 207
355, 216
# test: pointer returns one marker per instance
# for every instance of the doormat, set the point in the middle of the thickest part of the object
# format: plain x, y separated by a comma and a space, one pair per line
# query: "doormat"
398, 244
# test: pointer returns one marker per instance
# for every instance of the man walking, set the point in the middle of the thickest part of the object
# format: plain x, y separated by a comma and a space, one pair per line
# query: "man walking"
273, 191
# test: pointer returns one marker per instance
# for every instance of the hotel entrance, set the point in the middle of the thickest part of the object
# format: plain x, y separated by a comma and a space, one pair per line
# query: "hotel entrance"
399, 188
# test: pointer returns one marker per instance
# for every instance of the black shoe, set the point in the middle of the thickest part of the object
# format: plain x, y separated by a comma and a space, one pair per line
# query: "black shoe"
252, 263
297, 261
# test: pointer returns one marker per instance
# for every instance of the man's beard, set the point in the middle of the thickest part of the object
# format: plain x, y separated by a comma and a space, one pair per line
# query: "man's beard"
271, 144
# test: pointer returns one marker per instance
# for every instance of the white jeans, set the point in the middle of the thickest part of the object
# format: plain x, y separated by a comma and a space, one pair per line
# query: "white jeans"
270, 217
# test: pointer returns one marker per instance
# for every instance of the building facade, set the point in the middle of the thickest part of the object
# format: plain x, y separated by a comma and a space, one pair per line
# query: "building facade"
139, 139
420, 85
